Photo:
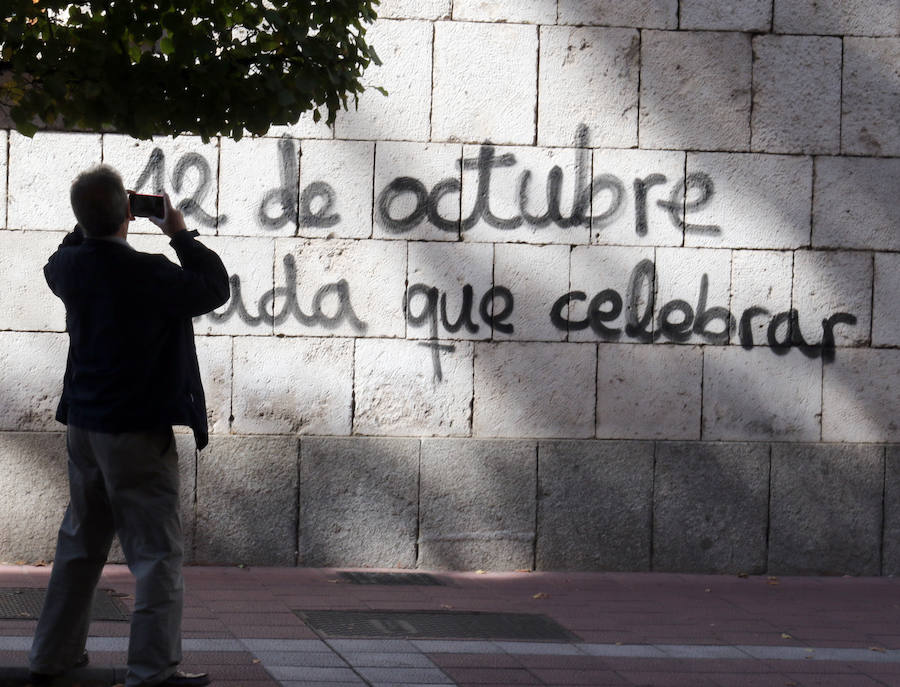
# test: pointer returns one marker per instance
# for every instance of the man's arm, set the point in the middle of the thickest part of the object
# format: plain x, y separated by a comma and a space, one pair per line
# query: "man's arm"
201, 283
73, 238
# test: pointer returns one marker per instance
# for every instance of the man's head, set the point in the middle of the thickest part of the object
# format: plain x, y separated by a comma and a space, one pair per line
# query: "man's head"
99, 201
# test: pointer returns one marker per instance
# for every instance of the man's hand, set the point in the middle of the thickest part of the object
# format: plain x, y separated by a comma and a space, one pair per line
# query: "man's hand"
172, 222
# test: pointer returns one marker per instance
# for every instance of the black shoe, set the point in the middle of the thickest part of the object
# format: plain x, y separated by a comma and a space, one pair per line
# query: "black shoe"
41, 679
181, 679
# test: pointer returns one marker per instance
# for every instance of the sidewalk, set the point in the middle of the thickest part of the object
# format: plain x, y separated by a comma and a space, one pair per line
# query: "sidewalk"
663, 630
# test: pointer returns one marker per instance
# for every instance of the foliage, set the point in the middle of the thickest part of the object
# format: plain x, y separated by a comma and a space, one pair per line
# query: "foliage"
206, 67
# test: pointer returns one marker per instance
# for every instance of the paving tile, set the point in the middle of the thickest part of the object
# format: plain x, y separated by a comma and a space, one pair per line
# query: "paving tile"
423, 675
370, 645
481, 660
545, 648
456, 647
692, 651
556, 676
503, 676
387, 660
312, 659
307, 673
285, 645
630, 650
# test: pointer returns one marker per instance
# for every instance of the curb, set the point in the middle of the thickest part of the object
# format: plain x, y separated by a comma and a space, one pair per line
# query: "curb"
19, 676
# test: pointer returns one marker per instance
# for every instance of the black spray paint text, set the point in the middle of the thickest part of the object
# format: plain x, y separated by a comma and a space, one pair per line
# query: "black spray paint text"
315, 205
492, 313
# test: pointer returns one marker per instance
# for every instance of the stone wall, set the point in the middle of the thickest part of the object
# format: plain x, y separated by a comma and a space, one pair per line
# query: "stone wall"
598, 285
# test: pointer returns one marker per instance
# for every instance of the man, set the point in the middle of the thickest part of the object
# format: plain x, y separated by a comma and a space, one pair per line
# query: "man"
131, 374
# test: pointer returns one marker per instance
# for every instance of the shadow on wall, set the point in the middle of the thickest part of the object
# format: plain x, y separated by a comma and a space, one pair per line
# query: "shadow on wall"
238, 509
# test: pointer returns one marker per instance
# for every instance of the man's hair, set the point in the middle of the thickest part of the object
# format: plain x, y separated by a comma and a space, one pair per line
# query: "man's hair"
99, 201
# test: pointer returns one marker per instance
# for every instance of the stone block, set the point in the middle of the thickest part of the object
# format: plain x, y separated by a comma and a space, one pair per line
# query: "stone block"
588, 76
246, 501
536, 276
485, 82
258, 187
405, 48
37, 199
292, 385
646, 14
686, 311
855, 203
305, 127
826, 510
406, 388
477, 504
449, 268
524, 11
417, 191
595, 271
250, 263
336, 189
27, 303
541, 390
648, 392
710, 507
695, 90
414, 9
752, 200
31, 376
359, 501
214, 356
340, 287
871, 95
34, 492
4, 145
749, 15
187, 474
886, 305
184, 167
859, 399
530, 195
628, 187
890, 564
594, 505
853, 17
759, 279
828, 282
792, 69
757, 395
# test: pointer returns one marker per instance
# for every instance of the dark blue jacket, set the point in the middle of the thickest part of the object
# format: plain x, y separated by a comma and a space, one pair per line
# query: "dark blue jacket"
132, 362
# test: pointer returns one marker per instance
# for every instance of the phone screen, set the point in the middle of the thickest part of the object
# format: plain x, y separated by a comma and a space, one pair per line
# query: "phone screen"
146, 205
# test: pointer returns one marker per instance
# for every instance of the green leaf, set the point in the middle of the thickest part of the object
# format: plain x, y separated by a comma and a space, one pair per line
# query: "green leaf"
167, 45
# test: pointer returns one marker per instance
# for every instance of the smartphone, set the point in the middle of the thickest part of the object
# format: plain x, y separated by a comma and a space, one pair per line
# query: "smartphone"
146, 205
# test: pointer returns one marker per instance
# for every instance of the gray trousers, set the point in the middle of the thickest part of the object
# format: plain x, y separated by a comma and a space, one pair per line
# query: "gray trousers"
125, 484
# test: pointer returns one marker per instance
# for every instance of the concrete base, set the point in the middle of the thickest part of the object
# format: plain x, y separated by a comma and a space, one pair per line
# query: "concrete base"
618, 505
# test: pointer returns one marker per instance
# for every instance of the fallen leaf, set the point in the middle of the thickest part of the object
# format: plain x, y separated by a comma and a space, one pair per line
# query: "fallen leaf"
743, 576
877, 648
255, 660
480, 572
523, 570
541, 595
785, 635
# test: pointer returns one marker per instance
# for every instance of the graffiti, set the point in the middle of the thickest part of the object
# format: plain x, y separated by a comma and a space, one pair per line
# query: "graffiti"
489, 314
426, 202
678, 321
315, 204
155, 172
290, 305
635, 312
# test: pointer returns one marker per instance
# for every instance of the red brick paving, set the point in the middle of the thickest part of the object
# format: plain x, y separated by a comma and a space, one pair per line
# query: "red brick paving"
629, 609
